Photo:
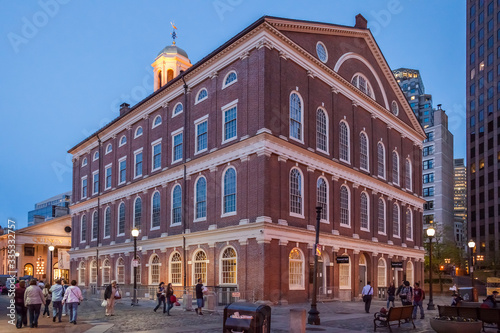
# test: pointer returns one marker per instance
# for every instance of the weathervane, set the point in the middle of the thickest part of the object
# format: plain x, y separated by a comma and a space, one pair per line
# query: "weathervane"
174, 35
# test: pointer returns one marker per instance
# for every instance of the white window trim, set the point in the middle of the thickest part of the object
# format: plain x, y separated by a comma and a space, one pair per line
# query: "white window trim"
84, 162
224, 85
109, 149
411, 225
173, 134
326, 52
96, 153
116, 267
196, 123
121, 143
385, 271
133, 212
151, 212
93, 183
222, 192
398, 235
81, 227
301, 117
200, 219
367, 210
384, 177
170, 268
172, 205
385, 218
349, 205
109, 166
197, 101
136, 130
92, 236
81, 187
154, 121
104, 224
175, 107
300, 216
297, 287
225, 108
397, 108
118, 219
397, 182
367, 152
153, 145
348, 161
79, 269
327, 131
194, 261
410, 173
327, 221
137, 152
124, 158
350, 273
221, 266
368, 84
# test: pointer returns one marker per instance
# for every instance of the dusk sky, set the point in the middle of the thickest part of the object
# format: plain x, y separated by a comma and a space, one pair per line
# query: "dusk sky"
65, 66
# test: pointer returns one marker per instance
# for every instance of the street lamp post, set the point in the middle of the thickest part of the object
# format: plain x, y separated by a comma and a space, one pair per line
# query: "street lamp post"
430, 233
135, 233
471, 245
313, 318
51, 253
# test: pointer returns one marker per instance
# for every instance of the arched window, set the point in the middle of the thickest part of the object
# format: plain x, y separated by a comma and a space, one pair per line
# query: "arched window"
296, 269
95, 225
157, 121
123, 140
83, 229
360, 82
154, 270
121, 219
81, 273
363, 152
381, 216
109, 148
178, 109
228, 266
394, 108
345, 274
138, 132
395, 168
106, 272
345, 211
84, 162
96, 155
176, 269
138, 271
408, 174
120, 271
93, 271
159, 80
364, 211
107, 222
382, 273
200, 267
409, 272
322, 198
381, 159
137, 212
395, 220
29, 270
296, 192
409, 226
177, 204
344, 142
155, 210
202, 95
201, 198
170, 75
321, 130
296, 115
229, 200
230, 78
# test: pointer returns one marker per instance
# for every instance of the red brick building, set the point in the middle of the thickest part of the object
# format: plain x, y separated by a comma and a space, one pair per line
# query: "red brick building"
221, 169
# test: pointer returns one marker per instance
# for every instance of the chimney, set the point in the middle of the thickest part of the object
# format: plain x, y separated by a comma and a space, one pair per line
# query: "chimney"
361, 22
124, 108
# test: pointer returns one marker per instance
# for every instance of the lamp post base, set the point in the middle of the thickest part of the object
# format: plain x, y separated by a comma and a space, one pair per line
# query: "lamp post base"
313, 318
430, 305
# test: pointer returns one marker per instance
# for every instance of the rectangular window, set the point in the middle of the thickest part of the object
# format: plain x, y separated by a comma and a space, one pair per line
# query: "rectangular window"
230, 124
428, 191
490, 59
472, 58
201, 136
472, 89
138, 163
472, 121
430, 137
481, 115
123, 171
95, 182
429, 164
490, 27
177, 147
84, 187
428, 150
108, 176
472, 42
428, 178
429, 205
157, 156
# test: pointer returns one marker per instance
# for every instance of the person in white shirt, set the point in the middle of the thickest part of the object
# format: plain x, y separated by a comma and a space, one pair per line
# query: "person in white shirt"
367, 293
72, 297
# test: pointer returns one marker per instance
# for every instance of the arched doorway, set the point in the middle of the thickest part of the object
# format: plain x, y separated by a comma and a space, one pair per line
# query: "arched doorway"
28, 269
362, 272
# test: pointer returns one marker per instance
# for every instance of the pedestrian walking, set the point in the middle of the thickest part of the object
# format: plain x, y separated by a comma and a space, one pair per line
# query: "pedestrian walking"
160, 296
48, 299
367, 294
391, 291
41, 285
64, 283
72, 297
33, 300
171, 299
400, 288
110, 295
199, 297
406, 294
57, 292
418, 299
19, 304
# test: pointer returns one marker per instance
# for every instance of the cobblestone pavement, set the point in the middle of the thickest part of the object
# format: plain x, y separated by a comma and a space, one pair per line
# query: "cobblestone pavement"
336, 316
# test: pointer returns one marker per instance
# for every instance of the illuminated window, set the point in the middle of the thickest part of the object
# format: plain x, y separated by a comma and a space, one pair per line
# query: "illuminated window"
154, 269
176, 269
120, 271
200, 267
481, 164
228, 266
81, 273
382, 273
106, 272
345, 274
481, 66
138, 270
295, 270
409, 272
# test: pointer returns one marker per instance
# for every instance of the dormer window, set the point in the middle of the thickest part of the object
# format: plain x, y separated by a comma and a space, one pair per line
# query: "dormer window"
138, 132
109, 148
362, 83
202, 95
177, 109
230, 79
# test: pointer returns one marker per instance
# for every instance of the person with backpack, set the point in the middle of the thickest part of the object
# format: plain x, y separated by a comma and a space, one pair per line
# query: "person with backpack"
406, 294
418, 299
57, 292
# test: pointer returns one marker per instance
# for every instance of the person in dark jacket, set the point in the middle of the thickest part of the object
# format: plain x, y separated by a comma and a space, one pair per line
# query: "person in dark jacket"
109, 295
391, 291
160, 295
170, 293
199, 297
19, 304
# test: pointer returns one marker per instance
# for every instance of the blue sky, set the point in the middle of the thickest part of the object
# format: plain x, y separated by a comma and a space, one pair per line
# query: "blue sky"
66, 65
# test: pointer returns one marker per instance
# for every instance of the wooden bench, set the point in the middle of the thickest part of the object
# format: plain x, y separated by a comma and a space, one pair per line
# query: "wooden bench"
395, 314
488, 316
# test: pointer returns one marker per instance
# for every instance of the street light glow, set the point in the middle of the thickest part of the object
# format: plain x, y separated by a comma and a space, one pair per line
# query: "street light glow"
135, 232
471, 244
431, 232
51, 248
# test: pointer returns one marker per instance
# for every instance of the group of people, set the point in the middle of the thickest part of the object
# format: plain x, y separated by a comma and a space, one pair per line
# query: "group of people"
30, 300
166, 296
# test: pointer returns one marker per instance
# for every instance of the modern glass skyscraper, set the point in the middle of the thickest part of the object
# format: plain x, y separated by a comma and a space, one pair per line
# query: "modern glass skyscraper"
50, 208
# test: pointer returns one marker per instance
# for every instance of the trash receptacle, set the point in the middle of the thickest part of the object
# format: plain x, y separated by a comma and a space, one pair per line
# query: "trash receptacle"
468, 294
247, 317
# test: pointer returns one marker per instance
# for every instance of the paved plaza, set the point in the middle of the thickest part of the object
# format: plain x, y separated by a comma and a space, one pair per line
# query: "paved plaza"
335, 316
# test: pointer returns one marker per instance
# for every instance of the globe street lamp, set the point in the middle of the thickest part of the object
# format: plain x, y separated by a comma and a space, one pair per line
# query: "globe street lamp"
135, 233
51, 253
471, 245
430, 233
